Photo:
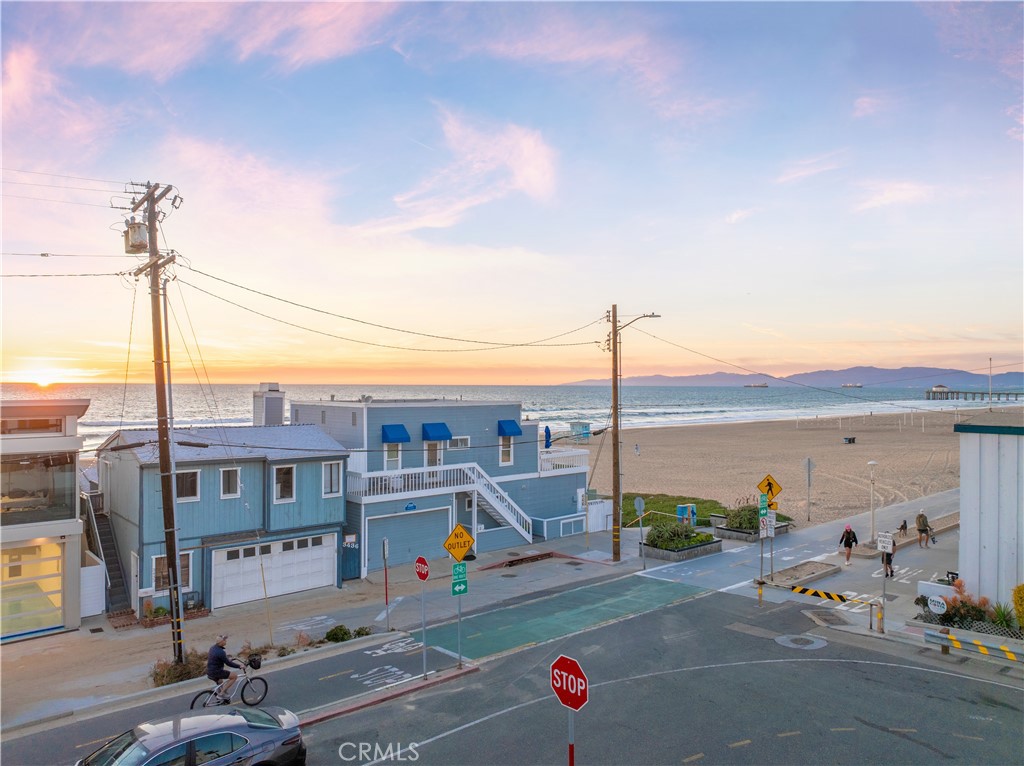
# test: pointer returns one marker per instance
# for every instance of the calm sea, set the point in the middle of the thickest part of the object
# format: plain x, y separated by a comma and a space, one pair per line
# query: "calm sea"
115, 406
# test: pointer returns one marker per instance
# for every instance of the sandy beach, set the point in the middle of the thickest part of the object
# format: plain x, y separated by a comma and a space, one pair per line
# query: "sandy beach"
916, 455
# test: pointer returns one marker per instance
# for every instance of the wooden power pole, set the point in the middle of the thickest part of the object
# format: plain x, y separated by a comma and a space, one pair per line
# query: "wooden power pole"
155, 266
616, 470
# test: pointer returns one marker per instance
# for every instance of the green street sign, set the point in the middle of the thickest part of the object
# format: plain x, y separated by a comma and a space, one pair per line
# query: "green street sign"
762, 506
459, 587
459, 571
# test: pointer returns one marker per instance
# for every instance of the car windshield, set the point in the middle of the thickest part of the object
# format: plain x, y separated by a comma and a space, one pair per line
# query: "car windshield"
125, 750
260, 718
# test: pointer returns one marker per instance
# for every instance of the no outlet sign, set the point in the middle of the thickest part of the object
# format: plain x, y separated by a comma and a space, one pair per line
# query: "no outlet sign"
422, 568
569, 682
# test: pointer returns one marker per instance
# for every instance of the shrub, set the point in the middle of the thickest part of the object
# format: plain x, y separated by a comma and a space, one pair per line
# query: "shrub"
161, 611
744, 517
166, 672
1018, 603
963, 609
339, 633
365, 630
1002, 615
284, 651
672, 537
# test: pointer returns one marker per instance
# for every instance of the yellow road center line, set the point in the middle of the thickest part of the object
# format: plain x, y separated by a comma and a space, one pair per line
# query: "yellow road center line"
967, 736
693, 758
335, 675
787, 734
741, 743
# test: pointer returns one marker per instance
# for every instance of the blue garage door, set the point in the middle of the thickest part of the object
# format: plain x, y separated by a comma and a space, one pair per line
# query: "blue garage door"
420, 533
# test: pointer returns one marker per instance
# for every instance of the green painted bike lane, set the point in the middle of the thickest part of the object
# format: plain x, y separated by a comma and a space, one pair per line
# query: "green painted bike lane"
554, 616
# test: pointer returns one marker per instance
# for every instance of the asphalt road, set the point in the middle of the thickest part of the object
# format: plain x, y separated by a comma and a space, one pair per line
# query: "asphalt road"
714, 680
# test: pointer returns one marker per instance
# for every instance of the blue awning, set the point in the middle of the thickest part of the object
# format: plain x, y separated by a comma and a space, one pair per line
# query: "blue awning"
394, 433
509, 428
436, 432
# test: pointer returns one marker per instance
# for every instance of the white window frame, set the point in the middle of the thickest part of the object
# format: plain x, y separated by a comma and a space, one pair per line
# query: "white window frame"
505, 445
189, 498
325, 467
440, 454
392, 463
185, 585
277, 496
238, 483
458, 443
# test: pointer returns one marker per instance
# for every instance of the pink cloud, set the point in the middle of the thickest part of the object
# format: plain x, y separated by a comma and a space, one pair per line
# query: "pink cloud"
866, 106
488, 164
810, 167
990, 32
885, 193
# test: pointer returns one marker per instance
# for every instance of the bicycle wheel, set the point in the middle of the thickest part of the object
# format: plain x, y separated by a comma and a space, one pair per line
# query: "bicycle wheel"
254, 690
201, 700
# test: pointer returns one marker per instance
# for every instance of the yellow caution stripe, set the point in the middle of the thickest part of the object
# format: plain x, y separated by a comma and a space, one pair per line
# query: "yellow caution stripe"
972, 645
818, 593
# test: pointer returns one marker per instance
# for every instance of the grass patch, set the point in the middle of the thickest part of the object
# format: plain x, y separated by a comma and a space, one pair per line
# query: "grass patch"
661, 509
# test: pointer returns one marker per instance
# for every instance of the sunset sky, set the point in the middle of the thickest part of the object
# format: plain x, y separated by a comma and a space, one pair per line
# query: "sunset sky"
430, 193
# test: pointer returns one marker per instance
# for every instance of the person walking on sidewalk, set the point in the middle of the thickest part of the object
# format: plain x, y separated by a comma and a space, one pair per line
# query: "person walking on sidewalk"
887, 562
847, 540
216, 660
921, 522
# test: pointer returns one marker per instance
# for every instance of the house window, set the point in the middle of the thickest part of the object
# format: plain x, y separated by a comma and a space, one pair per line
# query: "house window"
303, 543
392, 457
317, 541
288, 545
332, 479
323, 417
162, 581
264, 550
353, 419
232, 555
505, 450
458, 442
229, 483
186, 486
433, 454
284, 484
32, 426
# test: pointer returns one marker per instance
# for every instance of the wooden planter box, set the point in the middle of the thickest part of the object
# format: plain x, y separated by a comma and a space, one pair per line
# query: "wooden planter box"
683, 554
190, 614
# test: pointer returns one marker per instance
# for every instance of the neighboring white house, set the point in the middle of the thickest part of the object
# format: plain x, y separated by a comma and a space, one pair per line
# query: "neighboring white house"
992, 503
42, 548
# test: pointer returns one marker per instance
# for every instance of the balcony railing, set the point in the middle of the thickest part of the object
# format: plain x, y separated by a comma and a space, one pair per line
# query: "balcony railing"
562, 459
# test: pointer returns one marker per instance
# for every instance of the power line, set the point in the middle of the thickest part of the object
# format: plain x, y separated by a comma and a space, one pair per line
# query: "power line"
59, 201
74, 178
107, 274
71, 255
538, 344
69, 188
386, 327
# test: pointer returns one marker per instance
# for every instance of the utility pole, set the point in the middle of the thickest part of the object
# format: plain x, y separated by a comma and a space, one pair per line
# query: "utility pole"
616, 469
155, 266
616, 478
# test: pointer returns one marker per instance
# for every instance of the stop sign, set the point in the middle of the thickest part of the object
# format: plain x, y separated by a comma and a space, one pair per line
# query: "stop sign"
569, 682
422, 568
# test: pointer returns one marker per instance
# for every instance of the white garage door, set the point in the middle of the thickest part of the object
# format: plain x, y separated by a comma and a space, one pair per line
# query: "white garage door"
288, 566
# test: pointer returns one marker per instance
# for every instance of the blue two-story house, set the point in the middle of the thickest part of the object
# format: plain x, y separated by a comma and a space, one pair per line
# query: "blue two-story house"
418, 467
259, 511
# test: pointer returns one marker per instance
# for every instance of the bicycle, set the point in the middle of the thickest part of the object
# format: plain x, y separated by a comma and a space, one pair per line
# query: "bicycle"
251, 688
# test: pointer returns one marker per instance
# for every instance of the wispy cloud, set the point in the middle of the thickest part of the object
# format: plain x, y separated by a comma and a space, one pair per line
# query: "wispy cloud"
488, 163
867, 106
811, 166
739, 215
885, 193
990, 32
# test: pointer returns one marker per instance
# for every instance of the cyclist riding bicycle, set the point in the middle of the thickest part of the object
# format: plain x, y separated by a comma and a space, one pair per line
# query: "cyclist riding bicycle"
217, 662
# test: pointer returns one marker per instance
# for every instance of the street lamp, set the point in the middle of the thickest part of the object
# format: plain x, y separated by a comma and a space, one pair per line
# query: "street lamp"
871, 467
616, 487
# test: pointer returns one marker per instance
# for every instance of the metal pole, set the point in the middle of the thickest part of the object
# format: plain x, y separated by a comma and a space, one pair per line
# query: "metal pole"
460, 631
387, 604
423, 616
572, 739
643, 550
771, 548
616, 485
871, 466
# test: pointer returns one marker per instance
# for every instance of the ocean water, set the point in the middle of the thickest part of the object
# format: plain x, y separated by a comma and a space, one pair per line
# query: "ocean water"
116, 406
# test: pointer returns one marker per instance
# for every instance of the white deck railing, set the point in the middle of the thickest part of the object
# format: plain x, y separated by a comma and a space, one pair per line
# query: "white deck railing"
562, 459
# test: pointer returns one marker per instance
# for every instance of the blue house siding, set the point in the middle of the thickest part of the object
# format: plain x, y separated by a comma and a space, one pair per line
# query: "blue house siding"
497, 539
310, 507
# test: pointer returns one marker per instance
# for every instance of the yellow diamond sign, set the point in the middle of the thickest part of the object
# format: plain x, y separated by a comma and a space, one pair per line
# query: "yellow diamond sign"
459, 542
769, 486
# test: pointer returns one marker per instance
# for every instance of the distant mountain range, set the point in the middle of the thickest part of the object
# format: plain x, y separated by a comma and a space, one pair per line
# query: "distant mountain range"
904, 377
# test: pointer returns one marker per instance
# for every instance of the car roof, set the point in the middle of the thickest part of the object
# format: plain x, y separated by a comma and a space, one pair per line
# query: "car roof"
159, 732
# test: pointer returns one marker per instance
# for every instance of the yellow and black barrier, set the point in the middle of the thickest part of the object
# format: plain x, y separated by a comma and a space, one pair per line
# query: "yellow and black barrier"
819, 593
947, 640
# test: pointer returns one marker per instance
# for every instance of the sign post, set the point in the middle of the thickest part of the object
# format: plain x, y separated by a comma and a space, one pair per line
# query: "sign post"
460, 585
885, 545
387, 604
638, 505
570, 685
423, 572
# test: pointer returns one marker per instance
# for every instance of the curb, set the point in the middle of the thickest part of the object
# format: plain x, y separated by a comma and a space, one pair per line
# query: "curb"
328, 711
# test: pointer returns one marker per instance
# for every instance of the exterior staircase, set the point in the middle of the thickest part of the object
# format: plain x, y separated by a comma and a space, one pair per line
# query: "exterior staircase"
117, 593
496, 503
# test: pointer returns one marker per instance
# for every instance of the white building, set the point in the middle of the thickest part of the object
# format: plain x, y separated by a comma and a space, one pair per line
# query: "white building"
992, 504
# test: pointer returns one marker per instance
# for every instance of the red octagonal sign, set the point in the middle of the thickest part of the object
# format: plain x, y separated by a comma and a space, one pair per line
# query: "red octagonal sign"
569, 682
422, 568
